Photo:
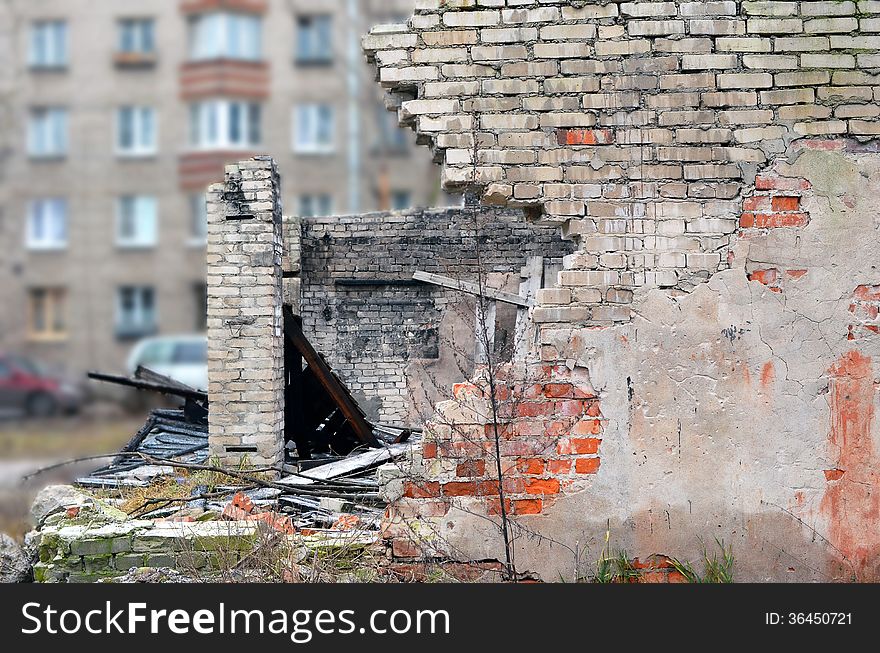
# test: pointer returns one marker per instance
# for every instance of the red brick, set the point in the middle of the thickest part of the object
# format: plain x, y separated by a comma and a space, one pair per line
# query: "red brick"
528, 506
757, 203
773, 182
424, 490
868, 293
534, 409
767, 277
460, 489
461, 390
488, 488
558, 390
582, 446
493, 506
587, 465
572, 408
585, 137
429, 450
542, 486
785, 203
531, 466
834, 474
512, 485
471, 468
773, 220
587, 427
405, 549
559, 466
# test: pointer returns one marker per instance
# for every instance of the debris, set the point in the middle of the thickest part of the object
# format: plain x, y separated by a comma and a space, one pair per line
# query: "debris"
322, 492
348, 466
320, 413
242, 508
347, 523
146, 575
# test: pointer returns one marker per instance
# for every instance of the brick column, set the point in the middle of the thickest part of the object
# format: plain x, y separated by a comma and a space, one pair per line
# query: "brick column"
245, 341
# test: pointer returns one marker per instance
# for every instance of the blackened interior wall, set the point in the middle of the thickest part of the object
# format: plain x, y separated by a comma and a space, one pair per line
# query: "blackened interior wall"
397, 344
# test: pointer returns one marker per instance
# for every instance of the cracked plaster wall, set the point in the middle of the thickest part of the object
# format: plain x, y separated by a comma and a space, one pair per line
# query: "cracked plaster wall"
736, 400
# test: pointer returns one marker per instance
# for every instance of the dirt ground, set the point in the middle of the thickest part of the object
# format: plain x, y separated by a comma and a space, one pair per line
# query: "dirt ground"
30, 445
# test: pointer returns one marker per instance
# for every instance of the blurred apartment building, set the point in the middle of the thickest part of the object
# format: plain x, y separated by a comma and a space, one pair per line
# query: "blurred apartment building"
115, 116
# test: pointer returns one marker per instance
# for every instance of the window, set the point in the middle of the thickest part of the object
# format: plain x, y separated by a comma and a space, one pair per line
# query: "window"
46, 313
135, 311
47, 224
313, 128
401, 200
48, 46
224, 35
137, 221
47, 132
314, 39
198, 220
311, 206
137, 36
136, 131
225, 124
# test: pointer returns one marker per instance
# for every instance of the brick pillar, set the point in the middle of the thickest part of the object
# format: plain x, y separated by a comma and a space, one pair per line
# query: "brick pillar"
245, 341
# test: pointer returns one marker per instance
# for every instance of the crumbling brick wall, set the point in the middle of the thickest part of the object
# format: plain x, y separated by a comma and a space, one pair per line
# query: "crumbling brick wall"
388, 338
245, 294
717, 164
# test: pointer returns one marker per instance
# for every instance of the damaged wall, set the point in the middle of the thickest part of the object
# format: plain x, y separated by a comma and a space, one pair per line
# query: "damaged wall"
400, 345
707, 362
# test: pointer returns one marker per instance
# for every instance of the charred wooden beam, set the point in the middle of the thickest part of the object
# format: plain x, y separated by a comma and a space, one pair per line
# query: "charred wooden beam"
328, 380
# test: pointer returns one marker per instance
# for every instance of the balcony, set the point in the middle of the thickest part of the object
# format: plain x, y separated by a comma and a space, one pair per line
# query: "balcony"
135, 60
198, 170
224, 78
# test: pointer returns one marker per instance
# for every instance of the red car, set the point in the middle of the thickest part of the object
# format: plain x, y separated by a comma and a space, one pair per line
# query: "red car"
26, 388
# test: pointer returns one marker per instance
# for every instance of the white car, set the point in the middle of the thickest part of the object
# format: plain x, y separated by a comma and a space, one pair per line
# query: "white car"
182, 358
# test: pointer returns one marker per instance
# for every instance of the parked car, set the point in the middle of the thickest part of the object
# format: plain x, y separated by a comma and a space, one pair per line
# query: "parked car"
26, 388
182, 358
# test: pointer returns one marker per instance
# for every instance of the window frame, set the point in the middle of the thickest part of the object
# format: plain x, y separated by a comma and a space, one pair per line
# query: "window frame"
325, 55
47, 243
54, 53
139, 327
222, 109
138, 241
313, 146
137, 25
198, 213
42, 126
139, 149
234, 38
55, 298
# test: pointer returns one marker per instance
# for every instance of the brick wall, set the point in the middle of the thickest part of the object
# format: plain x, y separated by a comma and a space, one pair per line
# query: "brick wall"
375, 335
715, 163
635, 124
245, 285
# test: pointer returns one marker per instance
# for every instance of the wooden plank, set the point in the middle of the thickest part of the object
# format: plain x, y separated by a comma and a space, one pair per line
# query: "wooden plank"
348, 465
473, 289
328, 380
